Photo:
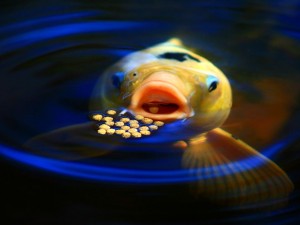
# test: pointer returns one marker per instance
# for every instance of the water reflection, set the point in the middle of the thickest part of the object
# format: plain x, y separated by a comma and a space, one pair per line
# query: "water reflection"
53, 53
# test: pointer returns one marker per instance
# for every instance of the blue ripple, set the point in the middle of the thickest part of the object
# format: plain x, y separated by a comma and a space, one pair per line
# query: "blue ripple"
49, 19
31, 37
110, 174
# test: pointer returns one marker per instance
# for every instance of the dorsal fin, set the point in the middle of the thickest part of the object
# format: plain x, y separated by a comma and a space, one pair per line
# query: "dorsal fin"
175, 41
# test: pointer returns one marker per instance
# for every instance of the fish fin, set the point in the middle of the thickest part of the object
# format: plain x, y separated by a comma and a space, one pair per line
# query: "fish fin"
76, 142
175, 41
180, 144
230, 172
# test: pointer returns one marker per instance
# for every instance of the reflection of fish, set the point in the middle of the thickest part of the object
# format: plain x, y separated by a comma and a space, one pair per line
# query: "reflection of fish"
169, 83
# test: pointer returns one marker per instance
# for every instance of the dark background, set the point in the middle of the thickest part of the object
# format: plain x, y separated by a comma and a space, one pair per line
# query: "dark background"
52, 54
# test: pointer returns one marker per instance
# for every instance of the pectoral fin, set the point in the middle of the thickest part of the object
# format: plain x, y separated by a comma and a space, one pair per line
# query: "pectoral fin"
231, 172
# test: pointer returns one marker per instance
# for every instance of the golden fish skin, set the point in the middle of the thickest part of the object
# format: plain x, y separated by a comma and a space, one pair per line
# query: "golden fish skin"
168, 82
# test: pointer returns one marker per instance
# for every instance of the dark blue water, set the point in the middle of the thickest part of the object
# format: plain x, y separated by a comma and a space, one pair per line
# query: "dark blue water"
52, 55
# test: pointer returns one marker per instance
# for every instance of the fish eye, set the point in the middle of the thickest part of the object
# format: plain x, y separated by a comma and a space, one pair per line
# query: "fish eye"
212, 83
213, 86
134, 74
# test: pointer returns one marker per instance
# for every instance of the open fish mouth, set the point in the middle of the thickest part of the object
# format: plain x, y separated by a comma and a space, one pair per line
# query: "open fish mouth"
161, 97
160, 107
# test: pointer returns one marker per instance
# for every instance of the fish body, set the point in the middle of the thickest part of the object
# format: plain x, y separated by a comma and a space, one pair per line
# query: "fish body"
170, 83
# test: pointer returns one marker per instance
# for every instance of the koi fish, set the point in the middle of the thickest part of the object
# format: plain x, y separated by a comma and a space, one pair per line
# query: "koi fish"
170, 83
183, 97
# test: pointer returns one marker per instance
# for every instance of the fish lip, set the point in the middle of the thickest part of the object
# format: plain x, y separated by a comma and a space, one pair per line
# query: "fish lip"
160, 91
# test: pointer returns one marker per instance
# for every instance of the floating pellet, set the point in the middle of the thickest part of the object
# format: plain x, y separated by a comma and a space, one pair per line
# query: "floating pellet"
144, 128
126, 135
136, 134
97, 117
111, 131
153, 127
139, 117
111, 112
102, 131
133, 121
154, 109
159, 123
107, 118
147, 120
125, 120
125, 128
132, 130
119, 124
120, 131
104, 126
109, 123
145, 132
134, 125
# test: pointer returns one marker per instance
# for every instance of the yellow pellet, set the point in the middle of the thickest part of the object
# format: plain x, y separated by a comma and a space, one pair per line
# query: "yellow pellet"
125, 128
120, 131
159, 123
102, 131
107, 118
97, 117
139, 117
132, 130
109, 123
111, 131
126, 135
136, 134
147, 120
111, 112
125, 120
153, 127
134, 125
144, 128
119, 124
145, 132
133, 121
104, 126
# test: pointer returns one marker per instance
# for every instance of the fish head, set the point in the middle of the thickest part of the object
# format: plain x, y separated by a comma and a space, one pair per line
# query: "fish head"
169, 83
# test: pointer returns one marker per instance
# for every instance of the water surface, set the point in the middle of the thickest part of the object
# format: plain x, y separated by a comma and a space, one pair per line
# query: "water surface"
52, 55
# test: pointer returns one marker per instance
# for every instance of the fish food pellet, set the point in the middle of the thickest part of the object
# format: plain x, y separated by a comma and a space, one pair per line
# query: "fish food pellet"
126, 135
125, 120
147, 120
134, 125
97, 117
111, 112
120, 131
139, 117
107, 118
136, 134
132, 130
133, 121
111, 131
102, 131
153, 127
109, 123
159, 123
144, 128
104, 126
126, 124
119, 124
125, 128
145, 132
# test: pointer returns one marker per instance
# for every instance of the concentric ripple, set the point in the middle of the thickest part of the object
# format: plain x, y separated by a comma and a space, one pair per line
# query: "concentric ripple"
51, 61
